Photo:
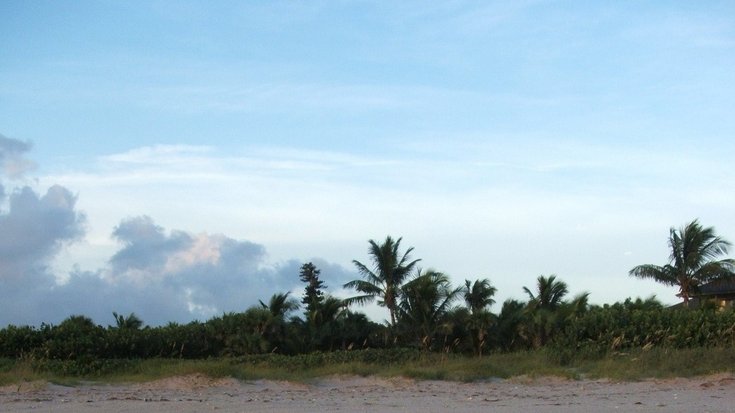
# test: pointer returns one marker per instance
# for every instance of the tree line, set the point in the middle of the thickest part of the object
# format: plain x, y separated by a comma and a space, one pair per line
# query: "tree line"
427, 312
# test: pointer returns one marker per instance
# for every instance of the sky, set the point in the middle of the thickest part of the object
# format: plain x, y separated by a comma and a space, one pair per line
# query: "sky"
183, 159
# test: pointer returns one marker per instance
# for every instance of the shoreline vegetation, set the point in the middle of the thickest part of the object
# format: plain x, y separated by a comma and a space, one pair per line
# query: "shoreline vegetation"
436, 331
635, 365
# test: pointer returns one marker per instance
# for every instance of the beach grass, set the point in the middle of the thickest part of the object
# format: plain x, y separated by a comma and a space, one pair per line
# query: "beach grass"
631, 366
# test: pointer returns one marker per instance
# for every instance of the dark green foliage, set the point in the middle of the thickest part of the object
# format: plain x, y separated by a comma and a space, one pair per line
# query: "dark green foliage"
623, 327
131, 322
356, 331
543, 315
425, 303
510, 332
78, 347
324, 314
478, 296
75, 337
18, 342
313, 294
84, 367
280, 305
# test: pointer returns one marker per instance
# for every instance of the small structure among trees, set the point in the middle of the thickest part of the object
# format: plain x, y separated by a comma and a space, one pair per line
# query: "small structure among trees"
721, 293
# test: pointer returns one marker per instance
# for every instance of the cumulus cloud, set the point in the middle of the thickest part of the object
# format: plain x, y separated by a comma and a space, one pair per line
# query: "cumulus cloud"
32, 232
160, 275
164, 276
34, 229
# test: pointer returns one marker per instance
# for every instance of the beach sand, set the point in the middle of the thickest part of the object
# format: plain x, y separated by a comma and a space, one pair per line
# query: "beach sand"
197, 393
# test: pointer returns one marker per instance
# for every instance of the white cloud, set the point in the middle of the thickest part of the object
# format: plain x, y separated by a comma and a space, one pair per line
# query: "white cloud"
159, 154
204, 250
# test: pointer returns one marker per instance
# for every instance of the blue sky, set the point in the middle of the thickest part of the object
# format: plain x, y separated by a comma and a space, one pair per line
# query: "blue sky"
500, 139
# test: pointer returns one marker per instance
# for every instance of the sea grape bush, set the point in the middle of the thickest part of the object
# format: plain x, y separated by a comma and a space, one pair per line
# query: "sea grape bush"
596, 332
232, 334
619, 328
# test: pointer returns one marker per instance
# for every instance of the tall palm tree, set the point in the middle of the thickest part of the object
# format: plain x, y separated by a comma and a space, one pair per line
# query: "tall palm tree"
692, 262
425, 300
389, 270
478, 296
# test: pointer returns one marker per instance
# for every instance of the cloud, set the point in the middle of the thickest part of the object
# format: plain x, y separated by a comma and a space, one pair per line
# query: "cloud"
162, 276
35, 228
146, 247
32, 232
12, 162
168, 154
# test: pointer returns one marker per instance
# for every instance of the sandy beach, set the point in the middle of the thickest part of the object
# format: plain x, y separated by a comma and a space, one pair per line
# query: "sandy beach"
369, 394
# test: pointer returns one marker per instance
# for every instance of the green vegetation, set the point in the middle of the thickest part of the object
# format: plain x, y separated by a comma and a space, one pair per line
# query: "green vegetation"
436, 330
635, 365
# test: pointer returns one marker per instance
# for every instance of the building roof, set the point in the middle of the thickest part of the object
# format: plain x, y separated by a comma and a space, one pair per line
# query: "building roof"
720, 287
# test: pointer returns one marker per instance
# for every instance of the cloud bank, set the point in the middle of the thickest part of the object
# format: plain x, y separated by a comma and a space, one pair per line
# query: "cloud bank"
160, 275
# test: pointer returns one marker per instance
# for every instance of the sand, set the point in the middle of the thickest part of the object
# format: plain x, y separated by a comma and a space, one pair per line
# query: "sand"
197, 393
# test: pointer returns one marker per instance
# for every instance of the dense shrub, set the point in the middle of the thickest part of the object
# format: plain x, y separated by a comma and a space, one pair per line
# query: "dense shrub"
256, 336
621, 327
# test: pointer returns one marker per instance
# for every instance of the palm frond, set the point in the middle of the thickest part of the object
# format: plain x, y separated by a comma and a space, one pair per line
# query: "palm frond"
359, 300
657, 273
530, 294
368, 274
364, 287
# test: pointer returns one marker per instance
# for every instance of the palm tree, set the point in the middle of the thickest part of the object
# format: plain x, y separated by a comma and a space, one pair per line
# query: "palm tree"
550, 293
478, 296
280, 305
574, 309
389, 271
323, 322
542, 307
511, 332
131, 322
425, 300
692, 262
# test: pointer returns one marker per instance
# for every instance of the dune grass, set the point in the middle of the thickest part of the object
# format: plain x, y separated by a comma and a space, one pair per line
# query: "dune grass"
635, 365
662, 363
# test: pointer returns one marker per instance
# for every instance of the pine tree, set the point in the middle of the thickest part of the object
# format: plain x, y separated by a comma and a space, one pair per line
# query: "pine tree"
313, 294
